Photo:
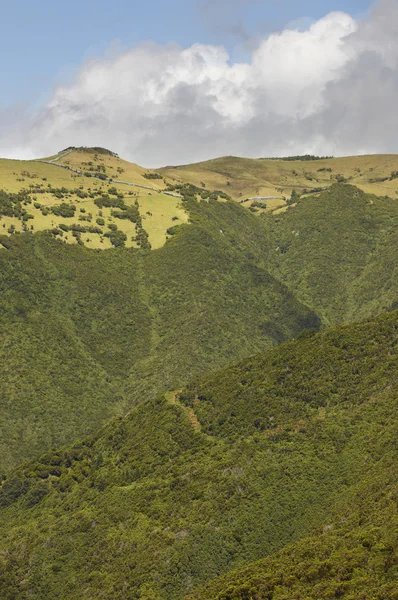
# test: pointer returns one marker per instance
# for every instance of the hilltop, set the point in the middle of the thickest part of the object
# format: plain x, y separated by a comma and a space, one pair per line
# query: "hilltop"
289, 455
76, 195
93, 197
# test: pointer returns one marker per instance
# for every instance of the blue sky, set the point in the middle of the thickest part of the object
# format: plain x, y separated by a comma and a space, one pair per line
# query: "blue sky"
44, 43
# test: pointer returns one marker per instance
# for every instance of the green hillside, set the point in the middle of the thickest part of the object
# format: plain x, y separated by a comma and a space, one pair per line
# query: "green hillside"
84, 195
89, 334
289, 455
354, 556
336, 251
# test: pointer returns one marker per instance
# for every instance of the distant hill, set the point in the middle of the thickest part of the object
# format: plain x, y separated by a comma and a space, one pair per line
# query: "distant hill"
102, 191
289, 457
244, 178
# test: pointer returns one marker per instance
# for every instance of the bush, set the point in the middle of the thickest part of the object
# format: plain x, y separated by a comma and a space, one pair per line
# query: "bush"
36, 494
152, 176
117, 238
66, 211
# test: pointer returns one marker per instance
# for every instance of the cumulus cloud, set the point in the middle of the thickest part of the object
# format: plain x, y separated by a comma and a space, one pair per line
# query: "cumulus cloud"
330, 89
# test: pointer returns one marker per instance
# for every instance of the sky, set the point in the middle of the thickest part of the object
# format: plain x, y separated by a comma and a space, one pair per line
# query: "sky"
185, 80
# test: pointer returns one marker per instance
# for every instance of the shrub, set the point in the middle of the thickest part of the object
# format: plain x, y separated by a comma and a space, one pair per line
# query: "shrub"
117, 238
66, 211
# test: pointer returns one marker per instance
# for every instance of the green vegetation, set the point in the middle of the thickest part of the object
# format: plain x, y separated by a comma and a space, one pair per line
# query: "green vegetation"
64, 210
304, 157
49, 190
152, 176
354, 556
226, 286
332, 248
89, 150
273, 478
139, 321
294, 449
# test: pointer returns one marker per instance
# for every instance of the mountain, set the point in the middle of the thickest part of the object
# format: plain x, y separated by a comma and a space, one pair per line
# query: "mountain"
287, 458
333, 247
93, 197
89, 334
88, 196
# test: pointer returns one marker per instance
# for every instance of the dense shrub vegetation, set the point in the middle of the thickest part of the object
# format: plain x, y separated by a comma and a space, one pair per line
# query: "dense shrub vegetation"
294, 449
89, 334
83, 326
90, 150
305, 157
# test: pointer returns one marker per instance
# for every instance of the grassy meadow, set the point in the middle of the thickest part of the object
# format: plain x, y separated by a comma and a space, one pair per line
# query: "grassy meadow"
243, 178
158, 211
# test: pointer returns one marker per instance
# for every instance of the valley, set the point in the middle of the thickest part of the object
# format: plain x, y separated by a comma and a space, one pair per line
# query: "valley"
207, 410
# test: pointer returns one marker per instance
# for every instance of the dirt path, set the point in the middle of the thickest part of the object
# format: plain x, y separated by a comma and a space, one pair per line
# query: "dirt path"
110, 179
173, 398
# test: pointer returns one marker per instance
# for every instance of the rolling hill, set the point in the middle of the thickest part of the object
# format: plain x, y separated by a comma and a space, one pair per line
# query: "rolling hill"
275, 179
75, 196
105, 194
290, 458
271, 478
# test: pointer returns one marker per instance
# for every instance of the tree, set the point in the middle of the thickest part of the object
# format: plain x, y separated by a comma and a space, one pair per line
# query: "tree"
293, 198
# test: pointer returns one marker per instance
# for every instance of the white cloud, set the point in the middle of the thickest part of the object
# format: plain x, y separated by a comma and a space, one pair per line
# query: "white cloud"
328, 89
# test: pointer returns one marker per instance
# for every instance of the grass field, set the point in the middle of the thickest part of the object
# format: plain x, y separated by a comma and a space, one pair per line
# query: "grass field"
261, 185
158, 211
242, 178
109, 165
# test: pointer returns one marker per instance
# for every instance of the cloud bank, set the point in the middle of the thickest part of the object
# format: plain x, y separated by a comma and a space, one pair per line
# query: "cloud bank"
331, 89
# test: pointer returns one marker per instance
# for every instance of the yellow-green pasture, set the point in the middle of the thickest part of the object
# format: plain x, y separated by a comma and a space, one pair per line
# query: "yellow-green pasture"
244, 177
111, 166
164, 210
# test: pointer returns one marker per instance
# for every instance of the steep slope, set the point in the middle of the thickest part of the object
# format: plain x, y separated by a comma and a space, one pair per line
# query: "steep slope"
355, 555
336, 251
225, 286
80, 327
153, 506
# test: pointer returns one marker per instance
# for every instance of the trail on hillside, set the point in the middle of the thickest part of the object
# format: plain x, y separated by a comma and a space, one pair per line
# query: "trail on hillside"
173, 398
110, 179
